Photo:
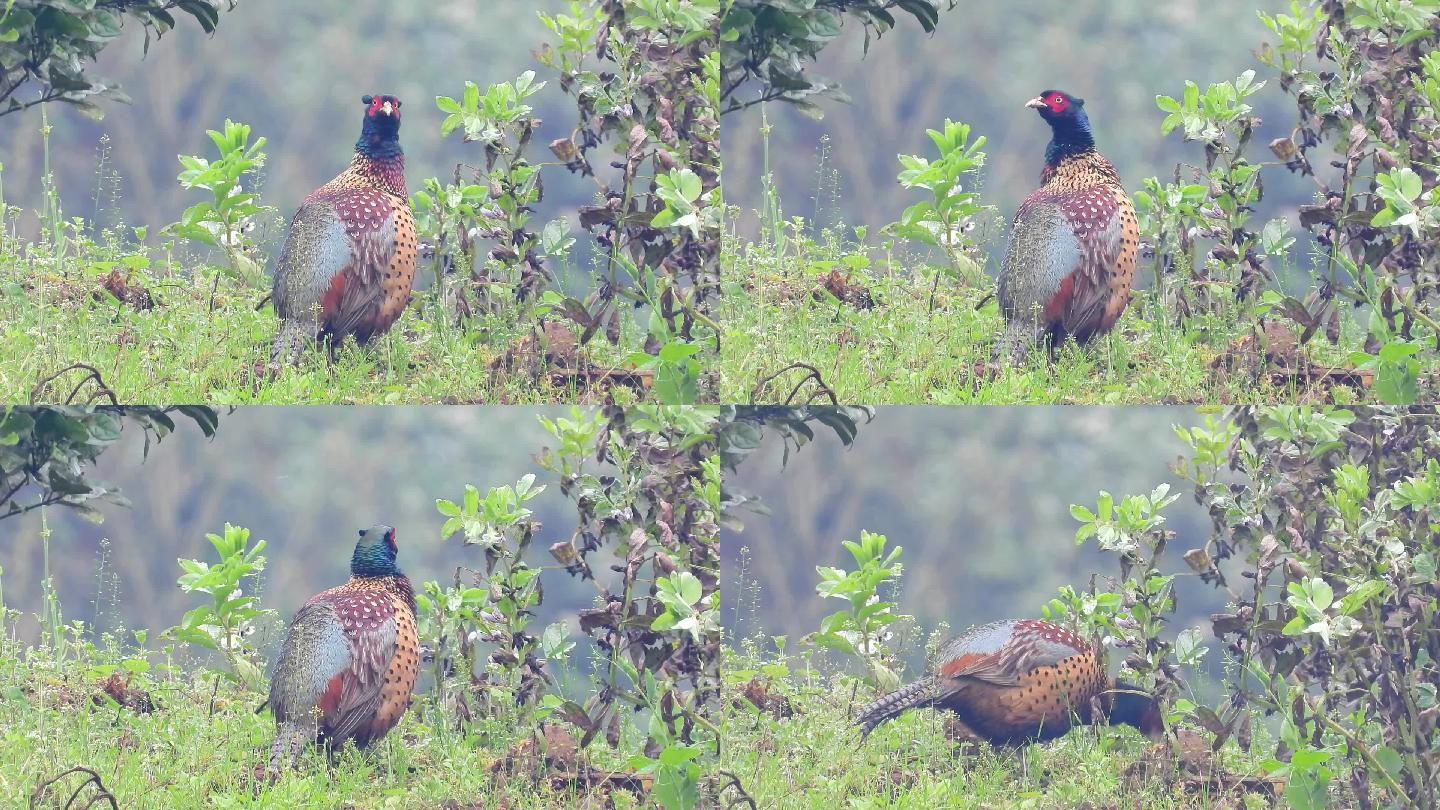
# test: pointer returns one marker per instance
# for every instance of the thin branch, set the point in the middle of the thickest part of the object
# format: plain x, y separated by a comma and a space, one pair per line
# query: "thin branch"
103, 794
812, 373
92, 373
1359, 745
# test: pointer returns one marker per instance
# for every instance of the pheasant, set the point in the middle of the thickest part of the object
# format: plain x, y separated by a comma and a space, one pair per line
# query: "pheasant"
349, 658
348, 261
1073, 244
1011, 682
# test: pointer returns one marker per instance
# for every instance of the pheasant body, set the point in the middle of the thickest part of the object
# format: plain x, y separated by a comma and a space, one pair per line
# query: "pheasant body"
348, 262
1017, 681
350, 657
1073, 244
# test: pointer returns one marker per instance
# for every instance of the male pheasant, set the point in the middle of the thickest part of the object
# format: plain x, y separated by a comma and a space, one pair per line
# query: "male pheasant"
1017, 681
1073, 244
348, 261
350, 657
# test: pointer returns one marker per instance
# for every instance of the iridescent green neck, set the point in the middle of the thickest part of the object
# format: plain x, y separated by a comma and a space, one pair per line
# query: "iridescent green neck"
373, 560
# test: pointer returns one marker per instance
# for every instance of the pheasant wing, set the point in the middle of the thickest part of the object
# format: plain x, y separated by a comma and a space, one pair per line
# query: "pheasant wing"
1041, 256
369, 220
353, 695
313, 653
1002, 652
1095, 215
316, 251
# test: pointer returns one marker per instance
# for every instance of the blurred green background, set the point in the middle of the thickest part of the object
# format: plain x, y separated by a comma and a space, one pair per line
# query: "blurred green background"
978, 497
980, 67
305, 479
295, 72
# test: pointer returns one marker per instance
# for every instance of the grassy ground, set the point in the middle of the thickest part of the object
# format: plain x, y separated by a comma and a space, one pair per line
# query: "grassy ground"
903, 351
170, 340
200, 746
814, 758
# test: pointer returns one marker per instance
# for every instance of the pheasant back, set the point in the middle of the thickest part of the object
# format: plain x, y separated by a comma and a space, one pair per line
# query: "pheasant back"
1020, 680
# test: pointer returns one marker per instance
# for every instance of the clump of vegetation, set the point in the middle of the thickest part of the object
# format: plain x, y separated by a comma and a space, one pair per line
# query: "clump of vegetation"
45, 452
863, 630
225, 220
44, 45
1332, 624
656, 225
1330, 529
226, 622
1365, 80
765, 45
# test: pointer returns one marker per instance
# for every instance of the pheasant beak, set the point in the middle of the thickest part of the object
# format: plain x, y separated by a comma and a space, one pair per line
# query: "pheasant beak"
388, 108
1036, 103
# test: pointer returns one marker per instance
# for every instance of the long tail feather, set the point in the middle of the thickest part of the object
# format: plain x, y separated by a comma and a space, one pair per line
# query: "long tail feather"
289, 342
290, 739
920, 693
1019, 338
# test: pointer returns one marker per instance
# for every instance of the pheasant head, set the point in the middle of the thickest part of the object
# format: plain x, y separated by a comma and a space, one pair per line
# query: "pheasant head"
1129, 705
1069, 125
375, 553
380, 129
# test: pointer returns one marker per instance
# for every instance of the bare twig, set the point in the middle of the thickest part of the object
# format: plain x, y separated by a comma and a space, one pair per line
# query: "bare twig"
812, 373
729, 781
92, 373
102, 794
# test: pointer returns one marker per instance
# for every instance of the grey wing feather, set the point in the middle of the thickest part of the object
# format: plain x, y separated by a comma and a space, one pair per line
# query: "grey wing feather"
369, 660
351, 718
1044, 653
982, 644
1041, 252
313, 652
982, 638
1006, 655
316, 248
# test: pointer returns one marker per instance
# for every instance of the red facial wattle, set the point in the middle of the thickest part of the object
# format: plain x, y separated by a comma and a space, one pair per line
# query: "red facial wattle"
385, 104
1057, 103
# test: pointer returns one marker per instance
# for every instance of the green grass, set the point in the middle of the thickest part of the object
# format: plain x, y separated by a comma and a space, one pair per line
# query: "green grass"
55, 314
816, 759
202, 747
902, 351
